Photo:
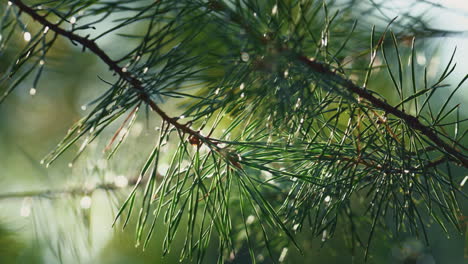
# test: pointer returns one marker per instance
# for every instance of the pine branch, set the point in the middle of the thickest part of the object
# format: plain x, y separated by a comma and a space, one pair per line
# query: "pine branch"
326, 69
291, 160
412, 121
113, 65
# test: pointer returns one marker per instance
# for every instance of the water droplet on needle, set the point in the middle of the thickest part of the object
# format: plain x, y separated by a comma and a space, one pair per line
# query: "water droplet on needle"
245, 57
27, 36
274, 10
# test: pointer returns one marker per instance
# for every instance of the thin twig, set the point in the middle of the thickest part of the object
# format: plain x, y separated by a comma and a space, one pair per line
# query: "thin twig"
73, 191
113, 65
410, 120
458, 11
324, 68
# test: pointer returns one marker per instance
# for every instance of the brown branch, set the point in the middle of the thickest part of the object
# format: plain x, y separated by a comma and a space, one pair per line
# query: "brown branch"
317, 66
410, 120
113, 65
116, 134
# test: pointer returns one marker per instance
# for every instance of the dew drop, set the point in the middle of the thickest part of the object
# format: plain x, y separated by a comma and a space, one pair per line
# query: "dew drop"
124, 69
283, 254
72, 20
9, 3
84, 107
181, 117
245, 56
217, 91
27, 36
327, 199
255, 14
145, 70
32, 91
274, 10
41, 62
462, 183
70, 165
324, 41
242, 95
46, 29
324, 235
286, 73
295, 227
250, 219
242, 86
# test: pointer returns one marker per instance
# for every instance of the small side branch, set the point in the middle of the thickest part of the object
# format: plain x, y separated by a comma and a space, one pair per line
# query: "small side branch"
73, 191
410, 120
113, 65
325, 69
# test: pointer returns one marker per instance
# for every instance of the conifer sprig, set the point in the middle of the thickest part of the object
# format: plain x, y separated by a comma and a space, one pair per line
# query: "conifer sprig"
279, 133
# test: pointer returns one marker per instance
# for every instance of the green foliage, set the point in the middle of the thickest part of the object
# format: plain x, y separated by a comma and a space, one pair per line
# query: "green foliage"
279, 134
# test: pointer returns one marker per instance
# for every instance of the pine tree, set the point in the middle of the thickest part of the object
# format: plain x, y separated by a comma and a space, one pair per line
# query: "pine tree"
293, 118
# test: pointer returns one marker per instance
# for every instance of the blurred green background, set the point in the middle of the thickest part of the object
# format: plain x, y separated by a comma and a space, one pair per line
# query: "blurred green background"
63, 229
